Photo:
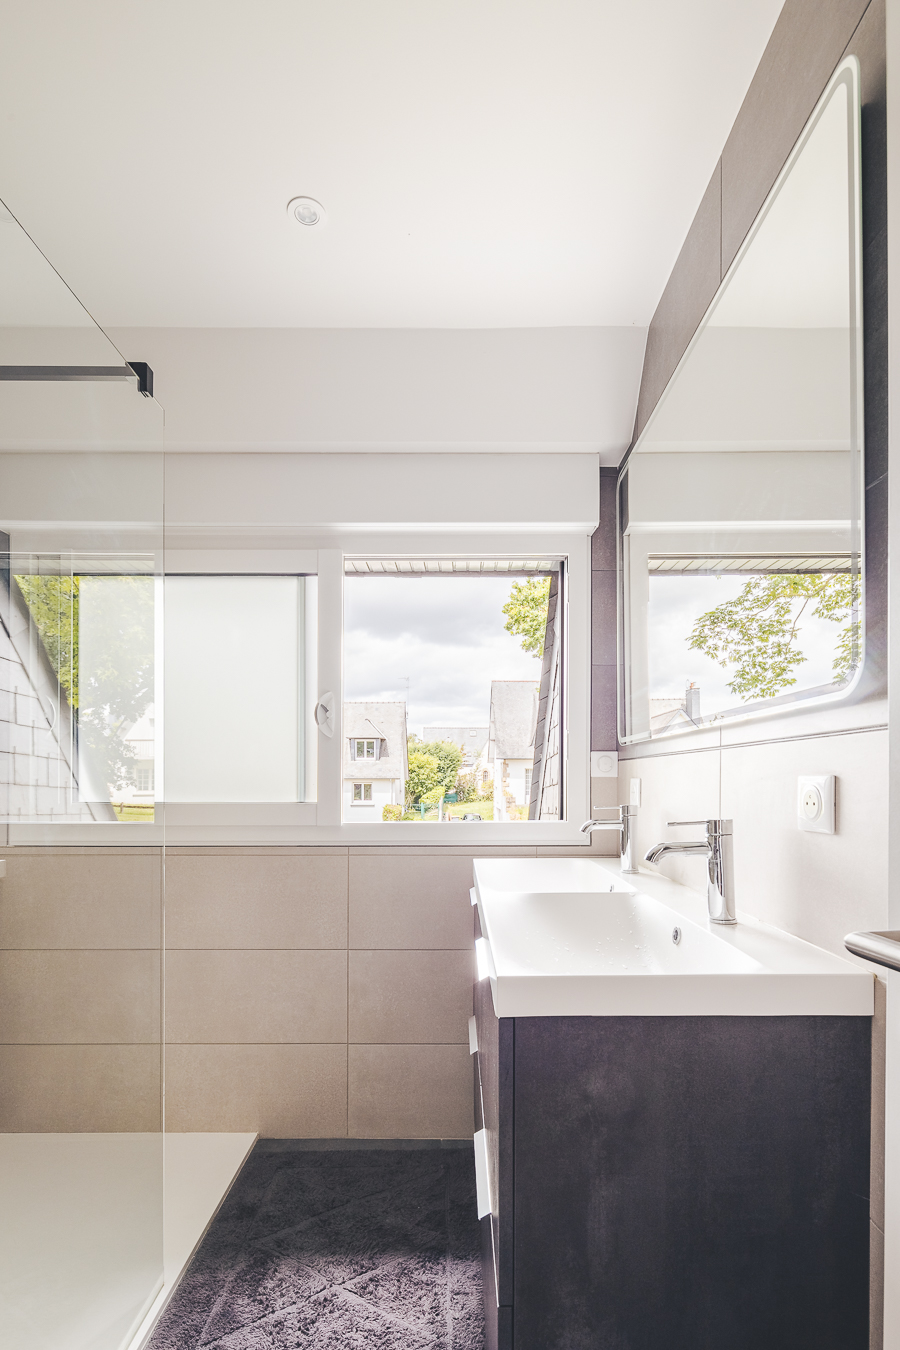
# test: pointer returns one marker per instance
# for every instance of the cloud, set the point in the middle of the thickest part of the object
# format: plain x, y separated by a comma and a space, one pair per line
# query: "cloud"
445, 633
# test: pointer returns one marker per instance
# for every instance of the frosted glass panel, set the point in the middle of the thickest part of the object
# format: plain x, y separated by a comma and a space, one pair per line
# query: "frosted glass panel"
233, 689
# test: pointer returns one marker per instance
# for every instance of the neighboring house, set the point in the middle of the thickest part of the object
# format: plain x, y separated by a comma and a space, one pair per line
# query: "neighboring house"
471, 740
510, 751
667, 713
141, 740
375, 760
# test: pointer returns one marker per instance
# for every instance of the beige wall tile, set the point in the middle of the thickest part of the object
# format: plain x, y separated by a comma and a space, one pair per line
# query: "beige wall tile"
673, 787
79, 997
238, 997
282, 1091
89, 900
241, 901
414, 997
818, 886
410, 901
63, 1088
410, 1092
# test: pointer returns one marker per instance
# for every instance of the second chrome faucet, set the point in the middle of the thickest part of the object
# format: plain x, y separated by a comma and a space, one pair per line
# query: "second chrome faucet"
717, 849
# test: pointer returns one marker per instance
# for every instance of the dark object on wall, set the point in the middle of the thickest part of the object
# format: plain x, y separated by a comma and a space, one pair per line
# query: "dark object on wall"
681, 1182
144, 377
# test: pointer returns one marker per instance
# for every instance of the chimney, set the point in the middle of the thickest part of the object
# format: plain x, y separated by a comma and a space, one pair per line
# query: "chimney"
692, 701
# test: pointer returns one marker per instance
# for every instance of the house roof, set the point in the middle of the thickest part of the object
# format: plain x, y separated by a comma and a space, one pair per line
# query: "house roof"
469, 738
514, 706
386, 721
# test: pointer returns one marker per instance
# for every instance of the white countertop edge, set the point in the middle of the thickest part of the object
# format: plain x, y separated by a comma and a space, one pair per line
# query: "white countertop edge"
735, 995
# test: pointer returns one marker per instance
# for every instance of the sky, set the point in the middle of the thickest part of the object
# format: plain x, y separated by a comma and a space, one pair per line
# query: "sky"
676, 601
445, 634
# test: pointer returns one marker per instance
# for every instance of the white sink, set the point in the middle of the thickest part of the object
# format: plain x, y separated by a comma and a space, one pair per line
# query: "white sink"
570, 936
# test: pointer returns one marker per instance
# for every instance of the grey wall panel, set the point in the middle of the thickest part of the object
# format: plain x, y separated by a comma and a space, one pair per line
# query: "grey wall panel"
689, 290
806, 45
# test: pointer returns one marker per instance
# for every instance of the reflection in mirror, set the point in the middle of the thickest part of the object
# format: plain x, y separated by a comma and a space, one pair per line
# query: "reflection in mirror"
739, 507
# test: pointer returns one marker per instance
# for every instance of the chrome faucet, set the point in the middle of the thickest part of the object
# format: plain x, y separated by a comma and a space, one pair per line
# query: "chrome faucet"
717, 849
623, 825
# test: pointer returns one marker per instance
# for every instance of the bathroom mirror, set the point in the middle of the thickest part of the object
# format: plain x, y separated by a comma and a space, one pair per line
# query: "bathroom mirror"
740, 534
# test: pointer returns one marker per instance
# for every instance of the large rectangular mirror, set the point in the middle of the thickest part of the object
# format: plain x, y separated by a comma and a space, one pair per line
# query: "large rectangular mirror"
740, 527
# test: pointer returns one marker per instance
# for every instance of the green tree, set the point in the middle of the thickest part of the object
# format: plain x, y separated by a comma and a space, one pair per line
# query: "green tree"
526, 613
109, 699
757, 633
424, 774
432, 764
53, 605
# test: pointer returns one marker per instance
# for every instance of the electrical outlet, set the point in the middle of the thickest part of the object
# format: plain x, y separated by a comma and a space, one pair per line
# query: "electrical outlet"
634, 798
815, 803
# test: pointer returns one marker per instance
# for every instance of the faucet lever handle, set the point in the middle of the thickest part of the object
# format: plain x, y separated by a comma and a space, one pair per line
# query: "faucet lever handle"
714, 824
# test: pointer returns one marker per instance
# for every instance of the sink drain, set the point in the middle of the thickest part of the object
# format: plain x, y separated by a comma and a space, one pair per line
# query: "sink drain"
676, 936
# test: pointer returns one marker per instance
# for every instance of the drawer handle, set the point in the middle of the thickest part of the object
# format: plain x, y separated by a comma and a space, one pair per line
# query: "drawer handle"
482, 1175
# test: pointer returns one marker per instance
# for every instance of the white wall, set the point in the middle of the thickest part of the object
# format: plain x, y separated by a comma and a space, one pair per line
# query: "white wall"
394, 389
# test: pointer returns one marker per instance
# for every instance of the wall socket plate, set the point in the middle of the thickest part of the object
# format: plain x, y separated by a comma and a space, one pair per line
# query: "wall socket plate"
815, 803
634, 792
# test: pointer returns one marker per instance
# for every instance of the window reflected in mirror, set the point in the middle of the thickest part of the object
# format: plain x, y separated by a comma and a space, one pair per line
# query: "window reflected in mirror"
739, 506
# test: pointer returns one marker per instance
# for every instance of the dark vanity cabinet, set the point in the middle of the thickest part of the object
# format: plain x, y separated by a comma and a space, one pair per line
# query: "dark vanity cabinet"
675, 1183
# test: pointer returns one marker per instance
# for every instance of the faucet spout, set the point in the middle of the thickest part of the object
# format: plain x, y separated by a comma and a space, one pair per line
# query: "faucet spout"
717, 849
658, 851
623, 825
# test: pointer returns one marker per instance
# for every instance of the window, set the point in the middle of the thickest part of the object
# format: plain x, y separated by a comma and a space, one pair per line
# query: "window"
457, 664
362, 792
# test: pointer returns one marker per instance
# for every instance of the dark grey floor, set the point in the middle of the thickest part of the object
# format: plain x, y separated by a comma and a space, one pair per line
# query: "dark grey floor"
351, 1247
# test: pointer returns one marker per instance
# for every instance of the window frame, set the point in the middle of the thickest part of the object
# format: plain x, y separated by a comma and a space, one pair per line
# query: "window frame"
320, 820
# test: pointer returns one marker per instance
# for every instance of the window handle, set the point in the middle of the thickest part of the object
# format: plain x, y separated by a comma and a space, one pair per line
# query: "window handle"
324, 714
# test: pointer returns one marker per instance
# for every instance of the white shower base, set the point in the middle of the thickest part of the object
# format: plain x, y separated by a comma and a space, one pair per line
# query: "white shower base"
82, 1231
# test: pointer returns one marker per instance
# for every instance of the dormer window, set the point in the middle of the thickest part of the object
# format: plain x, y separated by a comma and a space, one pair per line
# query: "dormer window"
365, 748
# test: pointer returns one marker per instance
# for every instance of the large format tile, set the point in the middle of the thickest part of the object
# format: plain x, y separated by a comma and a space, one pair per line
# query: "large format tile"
280, 1091
72, 997
78, 1088
86, 899
818, 886
411, 997
243, 901
410, 1092
225, 997
673, 787
410, 901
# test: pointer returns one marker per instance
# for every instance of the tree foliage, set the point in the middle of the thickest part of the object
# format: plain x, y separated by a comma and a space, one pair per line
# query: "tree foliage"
108, 699
53, 605
526, 611
432, 765
757, 633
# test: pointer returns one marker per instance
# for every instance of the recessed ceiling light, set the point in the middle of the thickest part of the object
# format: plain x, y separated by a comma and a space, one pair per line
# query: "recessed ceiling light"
306, 211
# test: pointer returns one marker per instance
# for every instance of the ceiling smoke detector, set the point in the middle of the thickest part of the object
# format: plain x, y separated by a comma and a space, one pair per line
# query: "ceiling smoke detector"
306, 211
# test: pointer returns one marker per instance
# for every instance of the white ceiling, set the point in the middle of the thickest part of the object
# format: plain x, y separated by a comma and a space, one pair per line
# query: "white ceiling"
485, 163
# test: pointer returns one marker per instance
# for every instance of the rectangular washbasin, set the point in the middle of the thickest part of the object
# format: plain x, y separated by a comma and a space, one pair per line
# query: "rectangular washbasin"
564, 937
